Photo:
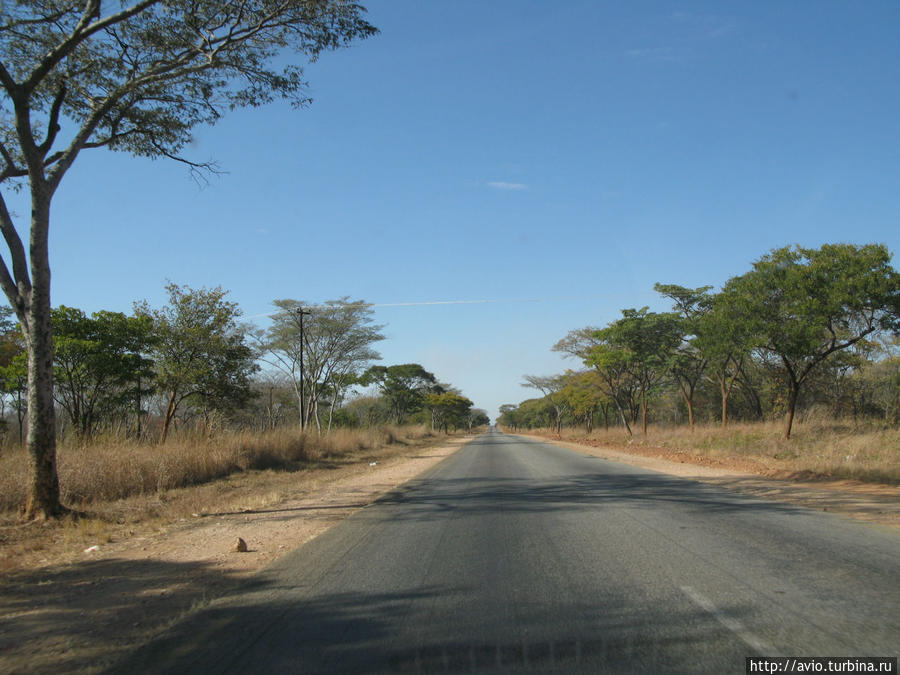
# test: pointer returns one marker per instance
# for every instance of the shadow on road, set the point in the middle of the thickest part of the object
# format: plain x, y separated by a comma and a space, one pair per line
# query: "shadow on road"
382, 633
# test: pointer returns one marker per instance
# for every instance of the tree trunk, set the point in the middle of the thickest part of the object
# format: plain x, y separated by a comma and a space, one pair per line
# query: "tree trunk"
42, 500
644, 411
170, 413
724, 391
689, 402
622, 415
792, 406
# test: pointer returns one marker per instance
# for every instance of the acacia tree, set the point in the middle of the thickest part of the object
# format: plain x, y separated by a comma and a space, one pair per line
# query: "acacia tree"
688, 362
448, 407
404, 386
551, 386
336, 345
725, 342
586, 394
135, 77
802, 305
610, 362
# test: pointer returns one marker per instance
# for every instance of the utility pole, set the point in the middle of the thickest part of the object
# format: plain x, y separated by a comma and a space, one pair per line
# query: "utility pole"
300, 312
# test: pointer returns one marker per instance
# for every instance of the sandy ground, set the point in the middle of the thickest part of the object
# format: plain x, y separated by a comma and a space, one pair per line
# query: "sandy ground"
81, 611
852, 499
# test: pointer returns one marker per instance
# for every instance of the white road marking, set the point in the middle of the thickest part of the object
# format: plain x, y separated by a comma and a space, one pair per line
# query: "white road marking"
759, 646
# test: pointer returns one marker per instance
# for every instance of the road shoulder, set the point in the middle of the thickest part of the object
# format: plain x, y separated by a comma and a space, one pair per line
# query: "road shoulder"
879, 504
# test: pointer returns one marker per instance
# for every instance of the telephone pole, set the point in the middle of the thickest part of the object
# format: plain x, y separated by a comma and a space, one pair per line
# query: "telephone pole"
300, 313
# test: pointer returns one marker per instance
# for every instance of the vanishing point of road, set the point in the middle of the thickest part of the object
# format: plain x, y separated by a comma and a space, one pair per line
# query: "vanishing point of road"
518, 556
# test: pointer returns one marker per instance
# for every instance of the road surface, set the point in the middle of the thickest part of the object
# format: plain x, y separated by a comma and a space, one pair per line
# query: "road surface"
513, 556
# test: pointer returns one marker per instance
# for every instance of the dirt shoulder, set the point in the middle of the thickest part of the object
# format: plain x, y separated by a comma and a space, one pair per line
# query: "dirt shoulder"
862, 501
71, 609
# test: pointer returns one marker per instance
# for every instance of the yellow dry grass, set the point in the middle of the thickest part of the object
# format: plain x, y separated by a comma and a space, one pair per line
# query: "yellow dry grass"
817, 448
106, 470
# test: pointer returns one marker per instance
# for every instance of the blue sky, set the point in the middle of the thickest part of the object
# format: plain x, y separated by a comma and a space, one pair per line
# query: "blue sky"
559, 158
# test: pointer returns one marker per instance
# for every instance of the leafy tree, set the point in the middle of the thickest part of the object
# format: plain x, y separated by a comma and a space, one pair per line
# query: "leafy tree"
536, 413
640, 346
404, 386
200, 354
448, 408
477, 417
586, 395
137, 78
98, 363
801, 305
365, 411
725, 340
610, 361
551, 386
509, 416
689, 362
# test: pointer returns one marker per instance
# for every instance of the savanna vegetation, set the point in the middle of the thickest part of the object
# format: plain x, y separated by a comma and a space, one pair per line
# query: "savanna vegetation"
187, 393
135, 77
808, 335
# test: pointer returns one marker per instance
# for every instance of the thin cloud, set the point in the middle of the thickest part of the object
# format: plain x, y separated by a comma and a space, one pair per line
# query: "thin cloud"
503, 185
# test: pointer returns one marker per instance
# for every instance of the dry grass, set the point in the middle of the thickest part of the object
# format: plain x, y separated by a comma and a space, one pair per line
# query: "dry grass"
107, 470
817, 448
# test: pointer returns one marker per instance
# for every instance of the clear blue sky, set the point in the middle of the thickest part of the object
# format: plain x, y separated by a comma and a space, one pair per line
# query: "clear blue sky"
571, 153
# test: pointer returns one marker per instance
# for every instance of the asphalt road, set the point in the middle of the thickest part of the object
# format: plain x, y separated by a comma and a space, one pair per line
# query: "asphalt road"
516, 556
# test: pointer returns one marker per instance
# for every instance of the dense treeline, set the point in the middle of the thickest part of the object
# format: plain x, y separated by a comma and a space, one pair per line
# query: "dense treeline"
193, 363
805, 329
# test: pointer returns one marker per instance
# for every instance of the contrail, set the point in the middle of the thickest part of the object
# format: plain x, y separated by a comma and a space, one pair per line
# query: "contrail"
485, 301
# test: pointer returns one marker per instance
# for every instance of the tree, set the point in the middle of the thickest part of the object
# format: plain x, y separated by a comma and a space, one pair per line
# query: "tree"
688, 362
551, 386
477, 417
632, 355
98, 363
585, 394
404, 386
448, 408
610, 362
200, 354
510, 416
336, 346
136, 78
801, 305
725, 341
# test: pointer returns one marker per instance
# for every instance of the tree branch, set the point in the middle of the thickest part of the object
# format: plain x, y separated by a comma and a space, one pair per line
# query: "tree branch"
53, 122
82, 31
12, 293
17, 251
